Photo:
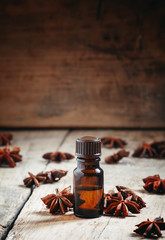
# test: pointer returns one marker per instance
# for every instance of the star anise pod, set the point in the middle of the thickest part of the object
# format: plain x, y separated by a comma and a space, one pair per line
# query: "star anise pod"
33, 180
5, 138
127, 192
154, 184
159, 147
10, 157
146, 150
57, 156
151, 229
111, 142
112, 195
69, 156
121, 207
115, 158
59, 202
53, 175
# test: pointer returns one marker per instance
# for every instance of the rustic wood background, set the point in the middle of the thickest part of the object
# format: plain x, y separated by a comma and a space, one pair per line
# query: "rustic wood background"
82, 63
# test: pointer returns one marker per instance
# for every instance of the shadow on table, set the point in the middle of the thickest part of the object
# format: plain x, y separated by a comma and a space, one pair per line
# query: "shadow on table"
48, 218
137, 236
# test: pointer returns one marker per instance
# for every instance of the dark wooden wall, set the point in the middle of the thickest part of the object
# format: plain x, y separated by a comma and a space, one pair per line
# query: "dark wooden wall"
82, 63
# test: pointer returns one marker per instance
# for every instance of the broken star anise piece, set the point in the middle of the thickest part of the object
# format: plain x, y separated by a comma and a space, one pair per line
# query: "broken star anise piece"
33, 180
111, 142
159, 147
5, 138
59, 202
146, 151
53, 175
10, 157
57, 156
115, 158
150, 229
121, 207
127, 192
154, 184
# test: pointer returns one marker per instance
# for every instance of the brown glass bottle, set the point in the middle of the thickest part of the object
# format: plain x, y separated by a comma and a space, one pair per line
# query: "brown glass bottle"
88, 178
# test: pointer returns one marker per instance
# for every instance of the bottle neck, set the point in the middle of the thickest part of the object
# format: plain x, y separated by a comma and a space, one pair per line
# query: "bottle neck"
88, 162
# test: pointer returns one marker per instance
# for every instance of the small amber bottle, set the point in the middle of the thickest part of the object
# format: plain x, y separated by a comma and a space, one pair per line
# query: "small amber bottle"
88, 178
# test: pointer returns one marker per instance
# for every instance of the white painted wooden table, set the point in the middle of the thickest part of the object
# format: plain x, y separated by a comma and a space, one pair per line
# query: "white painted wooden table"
31, 218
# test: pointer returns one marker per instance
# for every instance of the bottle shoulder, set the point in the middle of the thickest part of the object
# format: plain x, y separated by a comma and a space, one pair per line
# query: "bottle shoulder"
97, 170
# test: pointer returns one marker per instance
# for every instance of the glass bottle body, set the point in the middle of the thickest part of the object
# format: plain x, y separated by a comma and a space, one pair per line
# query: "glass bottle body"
88, 188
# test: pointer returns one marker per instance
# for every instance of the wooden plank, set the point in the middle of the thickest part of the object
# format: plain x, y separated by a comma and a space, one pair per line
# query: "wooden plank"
35, 222
73, 69
12, 191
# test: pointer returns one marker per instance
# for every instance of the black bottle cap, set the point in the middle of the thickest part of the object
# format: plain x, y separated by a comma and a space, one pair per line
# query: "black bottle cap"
88, 146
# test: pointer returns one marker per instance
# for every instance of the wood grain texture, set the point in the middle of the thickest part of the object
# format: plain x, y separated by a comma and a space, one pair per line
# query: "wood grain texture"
69, 64
12, 191
35, 222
